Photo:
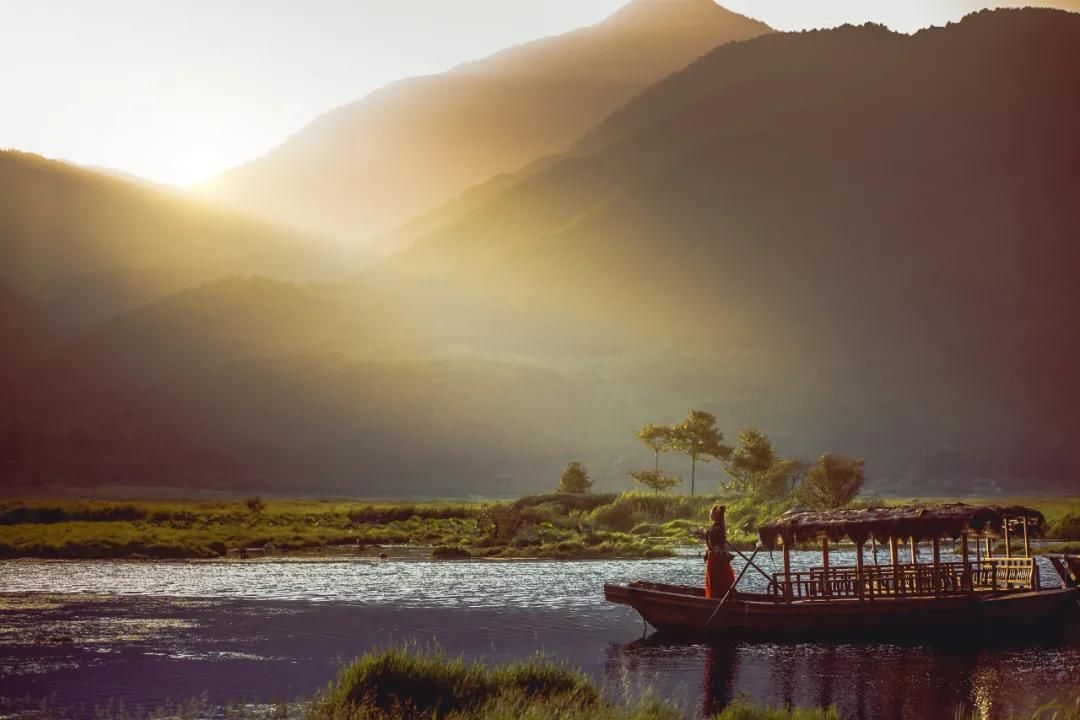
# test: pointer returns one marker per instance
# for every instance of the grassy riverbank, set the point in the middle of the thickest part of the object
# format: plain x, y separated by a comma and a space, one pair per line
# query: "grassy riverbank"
594, 526
546, 526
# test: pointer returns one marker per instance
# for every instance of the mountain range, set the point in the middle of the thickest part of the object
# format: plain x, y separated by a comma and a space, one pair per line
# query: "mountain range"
361, 170
858, 240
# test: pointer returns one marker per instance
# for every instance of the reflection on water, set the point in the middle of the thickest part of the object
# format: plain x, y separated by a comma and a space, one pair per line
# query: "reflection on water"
269, 630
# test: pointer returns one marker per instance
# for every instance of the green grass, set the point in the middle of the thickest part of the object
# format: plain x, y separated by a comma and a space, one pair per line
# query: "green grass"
554, 528
405, 683
630, 525
744, 711
400, 682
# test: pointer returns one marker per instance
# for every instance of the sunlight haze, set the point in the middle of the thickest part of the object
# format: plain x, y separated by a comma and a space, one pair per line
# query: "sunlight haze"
178, 92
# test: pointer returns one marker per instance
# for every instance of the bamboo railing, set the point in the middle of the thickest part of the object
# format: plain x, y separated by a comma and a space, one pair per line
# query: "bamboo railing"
895, 581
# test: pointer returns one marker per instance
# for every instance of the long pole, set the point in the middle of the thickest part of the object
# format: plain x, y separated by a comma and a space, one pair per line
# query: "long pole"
749, 561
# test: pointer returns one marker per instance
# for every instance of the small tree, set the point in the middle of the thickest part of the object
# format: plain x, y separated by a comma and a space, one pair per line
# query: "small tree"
655, 480
832, 483
698, 437
255, 504
755, 468
575, 479
658, 438
752, 457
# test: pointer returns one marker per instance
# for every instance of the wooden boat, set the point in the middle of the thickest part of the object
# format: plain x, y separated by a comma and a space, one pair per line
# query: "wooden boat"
985, 592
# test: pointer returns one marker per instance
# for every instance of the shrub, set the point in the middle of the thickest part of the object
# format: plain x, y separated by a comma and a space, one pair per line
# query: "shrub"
450, 552
1068, 528
659, 551
28, 513
397, 512
617, 516
833, 482
255, 504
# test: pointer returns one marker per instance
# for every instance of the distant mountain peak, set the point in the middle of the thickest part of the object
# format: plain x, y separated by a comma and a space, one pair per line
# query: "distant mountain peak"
659, 14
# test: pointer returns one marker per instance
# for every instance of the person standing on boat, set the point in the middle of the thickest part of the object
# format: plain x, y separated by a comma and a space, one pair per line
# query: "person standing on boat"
719, 575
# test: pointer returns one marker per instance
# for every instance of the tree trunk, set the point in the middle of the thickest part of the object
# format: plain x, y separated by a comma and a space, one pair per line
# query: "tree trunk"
693, 468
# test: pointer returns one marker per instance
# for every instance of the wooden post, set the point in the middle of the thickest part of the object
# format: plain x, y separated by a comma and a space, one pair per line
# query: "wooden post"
787, 571
1027, 540
825, 590
873, 542
894, 558
936, 572
914, 548
1008, 540
859, 584
965, 577
989, 548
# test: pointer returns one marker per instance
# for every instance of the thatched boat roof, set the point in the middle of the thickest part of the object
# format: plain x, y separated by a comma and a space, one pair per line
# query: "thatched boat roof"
901, 522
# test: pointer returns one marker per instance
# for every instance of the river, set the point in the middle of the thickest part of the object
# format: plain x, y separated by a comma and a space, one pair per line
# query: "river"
88, 633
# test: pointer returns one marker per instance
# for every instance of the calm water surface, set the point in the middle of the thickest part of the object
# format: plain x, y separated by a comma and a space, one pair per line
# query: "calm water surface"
83, 633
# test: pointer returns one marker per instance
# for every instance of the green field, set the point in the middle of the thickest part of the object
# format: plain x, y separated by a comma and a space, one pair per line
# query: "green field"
547, 526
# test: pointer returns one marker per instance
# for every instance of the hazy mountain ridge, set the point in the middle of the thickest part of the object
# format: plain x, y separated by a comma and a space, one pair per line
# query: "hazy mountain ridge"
91, 245
363, 169
859, 241
801, 196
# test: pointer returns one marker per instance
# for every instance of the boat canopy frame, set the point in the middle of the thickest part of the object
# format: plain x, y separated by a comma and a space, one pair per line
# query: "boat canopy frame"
885, 524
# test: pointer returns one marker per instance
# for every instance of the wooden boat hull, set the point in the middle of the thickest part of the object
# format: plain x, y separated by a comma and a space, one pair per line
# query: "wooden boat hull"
683, 610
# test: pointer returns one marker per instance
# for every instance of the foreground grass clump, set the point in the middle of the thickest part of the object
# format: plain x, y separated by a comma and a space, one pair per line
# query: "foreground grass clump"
403, 683
743, 711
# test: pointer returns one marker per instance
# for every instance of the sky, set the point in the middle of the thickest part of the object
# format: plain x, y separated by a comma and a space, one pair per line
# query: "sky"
176, 91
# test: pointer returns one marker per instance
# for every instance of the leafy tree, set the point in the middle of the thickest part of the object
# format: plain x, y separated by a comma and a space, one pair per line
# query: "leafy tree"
752, 457
755, 467
575, 479
655, 480
782, 477
833, 482
658, 438
698, 437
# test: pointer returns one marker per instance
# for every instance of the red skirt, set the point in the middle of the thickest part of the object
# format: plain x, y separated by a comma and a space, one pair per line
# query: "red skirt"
719, 575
